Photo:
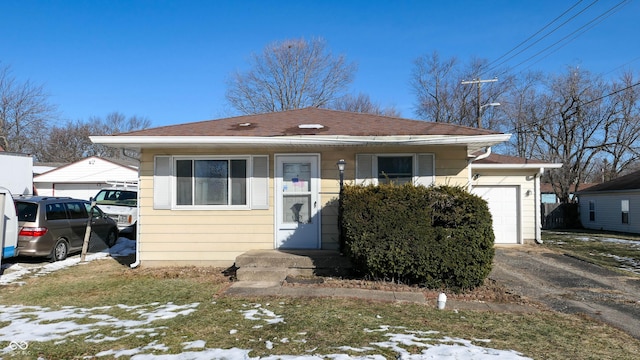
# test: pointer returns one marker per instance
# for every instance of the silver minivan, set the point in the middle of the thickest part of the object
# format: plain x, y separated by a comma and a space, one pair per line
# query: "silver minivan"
55, 226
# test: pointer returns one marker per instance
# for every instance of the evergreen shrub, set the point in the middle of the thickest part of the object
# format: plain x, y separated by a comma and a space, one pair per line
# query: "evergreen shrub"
438, 237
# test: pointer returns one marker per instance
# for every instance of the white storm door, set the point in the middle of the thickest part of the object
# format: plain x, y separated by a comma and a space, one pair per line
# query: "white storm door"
503, 205
297, 212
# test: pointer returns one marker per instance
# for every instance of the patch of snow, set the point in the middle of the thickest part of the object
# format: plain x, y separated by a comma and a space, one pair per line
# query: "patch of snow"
12, 273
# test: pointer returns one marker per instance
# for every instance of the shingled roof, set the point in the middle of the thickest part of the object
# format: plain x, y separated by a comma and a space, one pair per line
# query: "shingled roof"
627, 182
311, 121
305, 127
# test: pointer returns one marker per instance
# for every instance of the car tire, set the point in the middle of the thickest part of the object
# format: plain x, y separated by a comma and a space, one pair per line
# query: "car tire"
60, 251
111, 239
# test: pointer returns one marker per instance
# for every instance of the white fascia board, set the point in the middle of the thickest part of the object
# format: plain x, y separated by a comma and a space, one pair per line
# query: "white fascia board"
213, 141
516, 166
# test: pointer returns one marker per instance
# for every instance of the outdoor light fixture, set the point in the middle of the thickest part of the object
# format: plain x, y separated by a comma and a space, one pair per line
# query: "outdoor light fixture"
341, 165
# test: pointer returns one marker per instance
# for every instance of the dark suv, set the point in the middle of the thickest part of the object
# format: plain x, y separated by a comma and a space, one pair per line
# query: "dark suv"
55, 226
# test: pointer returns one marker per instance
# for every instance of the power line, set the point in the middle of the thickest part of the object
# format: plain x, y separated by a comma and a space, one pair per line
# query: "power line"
563, 41
581, 30
492, 66
593, 100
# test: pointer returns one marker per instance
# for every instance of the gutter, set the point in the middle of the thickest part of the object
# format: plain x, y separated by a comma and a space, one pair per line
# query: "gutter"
538, 204
469, 169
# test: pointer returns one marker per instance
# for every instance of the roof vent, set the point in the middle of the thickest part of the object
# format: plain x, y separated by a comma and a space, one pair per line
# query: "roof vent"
244, 124
310, 126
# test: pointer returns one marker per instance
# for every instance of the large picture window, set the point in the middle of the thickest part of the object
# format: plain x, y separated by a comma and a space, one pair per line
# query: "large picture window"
211, 182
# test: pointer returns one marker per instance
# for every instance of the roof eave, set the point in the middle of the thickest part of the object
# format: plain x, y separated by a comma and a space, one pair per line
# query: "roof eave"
474, 142
516, 166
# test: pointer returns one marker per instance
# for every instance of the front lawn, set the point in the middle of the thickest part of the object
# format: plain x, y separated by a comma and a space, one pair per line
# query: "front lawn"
104, 310
616, 251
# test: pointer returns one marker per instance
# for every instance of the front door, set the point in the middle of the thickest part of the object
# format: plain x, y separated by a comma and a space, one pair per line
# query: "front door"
297, 212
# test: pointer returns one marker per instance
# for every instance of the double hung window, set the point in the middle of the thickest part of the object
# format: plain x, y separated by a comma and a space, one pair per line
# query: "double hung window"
395, 168
211, 182
625, 211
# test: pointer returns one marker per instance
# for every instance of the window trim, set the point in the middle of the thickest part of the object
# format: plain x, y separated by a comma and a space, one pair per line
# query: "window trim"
416, 178
248, 178
624, 213
592, 210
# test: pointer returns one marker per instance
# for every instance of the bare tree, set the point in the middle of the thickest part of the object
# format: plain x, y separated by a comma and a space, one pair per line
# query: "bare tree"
574, 129
362, 104
434, 81
70, 142
443, 97
24, 113
624, 132
290, 74
67, 143
522, 106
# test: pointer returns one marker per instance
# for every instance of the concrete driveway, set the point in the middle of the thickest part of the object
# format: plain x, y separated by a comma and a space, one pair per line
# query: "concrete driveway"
570, 285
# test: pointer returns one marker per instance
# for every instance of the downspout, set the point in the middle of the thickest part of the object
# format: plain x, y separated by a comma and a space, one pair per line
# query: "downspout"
479, 157
136, 263
538, 203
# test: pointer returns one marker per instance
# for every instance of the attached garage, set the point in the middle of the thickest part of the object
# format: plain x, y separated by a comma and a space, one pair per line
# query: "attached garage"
511, 187
504, 206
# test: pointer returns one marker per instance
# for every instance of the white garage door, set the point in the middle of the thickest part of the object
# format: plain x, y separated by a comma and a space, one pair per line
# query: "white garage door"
78, 191
503, 204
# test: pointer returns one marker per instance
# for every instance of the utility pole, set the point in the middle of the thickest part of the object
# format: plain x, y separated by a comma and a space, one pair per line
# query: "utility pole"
479, 82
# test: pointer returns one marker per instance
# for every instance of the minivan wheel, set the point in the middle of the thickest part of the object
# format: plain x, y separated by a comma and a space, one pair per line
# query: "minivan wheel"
112, 237
60, 251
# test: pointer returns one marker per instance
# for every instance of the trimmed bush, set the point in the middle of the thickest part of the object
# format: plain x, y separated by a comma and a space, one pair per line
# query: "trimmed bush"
437, 237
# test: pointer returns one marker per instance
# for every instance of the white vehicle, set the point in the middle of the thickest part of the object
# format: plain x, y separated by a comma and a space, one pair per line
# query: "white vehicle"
120, 202
8, 225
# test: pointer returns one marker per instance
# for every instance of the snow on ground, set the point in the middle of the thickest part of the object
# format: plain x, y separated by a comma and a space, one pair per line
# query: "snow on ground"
28, 324
23, 325
12, 273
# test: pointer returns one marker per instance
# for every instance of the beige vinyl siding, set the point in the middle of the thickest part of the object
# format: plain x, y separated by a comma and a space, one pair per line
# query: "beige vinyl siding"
217, 237
524, 180
203, 237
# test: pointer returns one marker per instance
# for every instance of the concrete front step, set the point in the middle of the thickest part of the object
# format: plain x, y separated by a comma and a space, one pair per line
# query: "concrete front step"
270, 274
275, 265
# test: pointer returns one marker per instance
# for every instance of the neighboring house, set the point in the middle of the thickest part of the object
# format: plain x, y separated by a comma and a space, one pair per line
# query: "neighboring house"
212, 190
16, 173
83, 178
613, 205
511, 187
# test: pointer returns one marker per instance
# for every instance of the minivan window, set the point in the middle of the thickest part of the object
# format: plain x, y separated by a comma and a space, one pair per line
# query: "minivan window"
76, 210
55, 211
26, 211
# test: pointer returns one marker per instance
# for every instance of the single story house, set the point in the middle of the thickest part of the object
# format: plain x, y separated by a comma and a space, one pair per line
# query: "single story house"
212, 190
613, 205
84, 178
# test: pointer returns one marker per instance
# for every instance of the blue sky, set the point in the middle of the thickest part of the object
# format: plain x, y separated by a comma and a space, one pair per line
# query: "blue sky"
169, 60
